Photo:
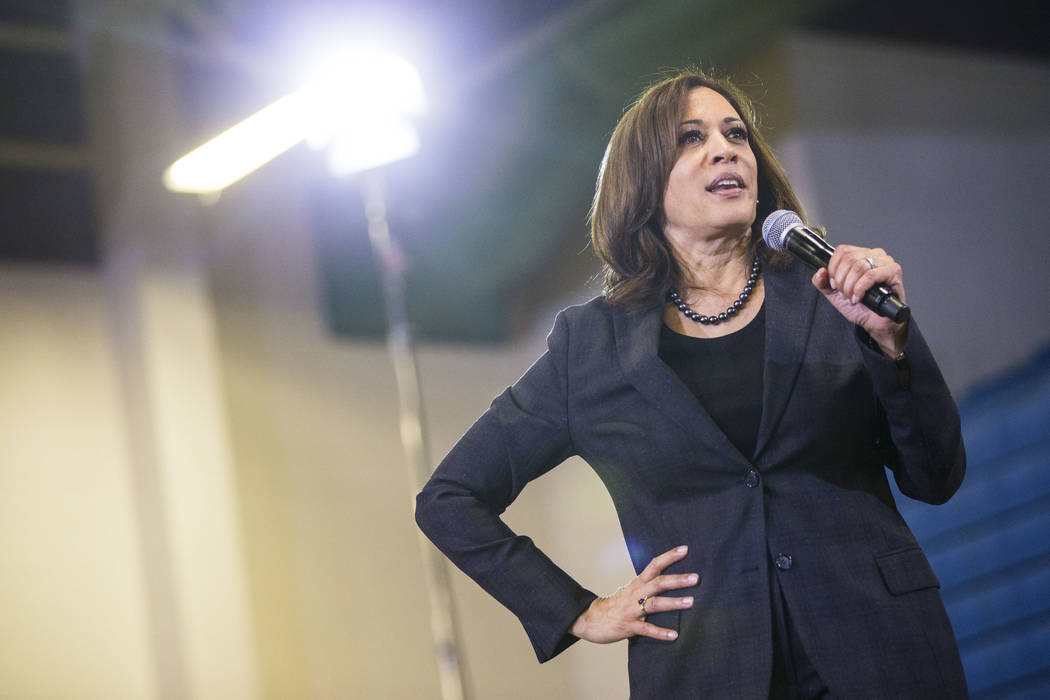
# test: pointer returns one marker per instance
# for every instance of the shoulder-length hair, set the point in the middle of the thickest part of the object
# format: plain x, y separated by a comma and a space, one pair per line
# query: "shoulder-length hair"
627, 217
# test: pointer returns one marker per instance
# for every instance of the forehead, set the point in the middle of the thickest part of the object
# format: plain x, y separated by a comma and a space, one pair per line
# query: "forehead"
707, 105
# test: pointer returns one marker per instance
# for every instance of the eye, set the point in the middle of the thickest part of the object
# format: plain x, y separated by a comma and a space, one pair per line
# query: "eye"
737, 133
690, 137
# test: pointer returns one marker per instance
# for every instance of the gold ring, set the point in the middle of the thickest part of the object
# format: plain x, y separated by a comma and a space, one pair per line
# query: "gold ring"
641, 604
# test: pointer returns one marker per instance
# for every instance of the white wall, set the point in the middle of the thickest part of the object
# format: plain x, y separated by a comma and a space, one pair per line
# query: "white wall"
338, 597
72, 604
940, 158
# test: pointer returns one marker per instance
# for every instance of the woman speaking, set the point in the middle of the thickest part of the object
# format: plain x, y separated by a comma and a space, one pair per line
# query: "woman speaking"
742, 412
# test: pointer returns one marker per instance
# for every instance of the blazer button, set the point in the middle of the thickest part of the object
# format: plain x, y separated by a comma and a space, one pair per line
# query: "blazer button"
751, 479
784, 562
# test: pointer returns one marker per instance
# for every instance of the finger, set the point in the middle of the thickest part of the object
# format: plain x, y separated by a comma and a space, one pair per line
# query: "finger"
888, 273
843, 261
671, 582
821, 281
865, 282
658, 604
647, 629
850, 274
661, 562
839, 260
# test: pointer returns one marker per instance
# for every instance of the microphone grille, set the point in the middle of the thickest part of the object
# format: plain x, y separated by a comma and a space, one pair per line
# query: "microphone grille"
776, 225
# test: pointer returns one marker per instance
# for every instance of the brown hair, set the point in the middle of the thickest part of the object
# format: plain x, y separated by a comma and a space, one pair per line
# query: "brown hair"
626, 217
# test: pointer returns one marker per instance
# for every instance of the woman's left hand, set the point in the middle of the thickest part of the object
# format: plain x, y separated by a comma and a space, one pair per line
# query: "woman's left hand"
850, 273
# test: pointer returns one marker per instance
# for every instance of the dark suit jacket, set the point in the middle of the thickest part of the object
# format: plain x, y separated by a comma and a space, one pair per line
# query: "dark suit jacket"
860, 592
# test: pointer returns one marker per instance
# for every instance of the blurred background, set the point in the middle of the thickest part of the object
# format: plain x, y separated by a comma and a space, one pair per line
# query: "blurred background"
202, 487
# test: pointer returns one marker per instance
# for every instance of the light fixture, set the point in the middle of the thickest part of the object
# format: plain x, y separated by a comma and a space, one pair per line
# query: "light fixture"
360, 104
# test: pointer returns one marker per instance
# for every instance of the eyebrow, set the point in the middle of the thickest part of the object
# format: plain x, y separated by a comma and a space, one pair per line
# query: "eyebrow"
699, 122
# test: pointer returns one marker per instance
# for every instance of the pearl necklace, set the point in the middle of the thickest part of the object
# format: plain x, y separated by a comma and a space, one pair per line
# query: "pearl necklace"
672, 296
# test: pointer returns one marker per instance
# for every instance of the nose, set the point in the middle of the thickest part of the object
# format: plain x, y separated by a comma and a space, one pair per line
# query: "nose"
722, 151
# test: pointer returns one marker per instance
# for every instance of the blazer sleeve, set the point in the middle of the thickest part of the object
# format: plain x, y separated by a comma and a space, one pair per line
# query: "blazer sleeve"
521, 436
921, 438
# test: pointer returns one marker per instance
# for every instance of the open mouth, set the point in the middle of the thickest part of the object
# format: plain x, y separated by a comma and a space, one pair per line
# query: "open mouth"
725, 184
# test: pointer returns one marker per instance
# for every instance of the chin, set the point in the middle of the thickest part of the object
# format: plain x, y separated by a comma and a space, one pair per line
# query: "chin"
738, 220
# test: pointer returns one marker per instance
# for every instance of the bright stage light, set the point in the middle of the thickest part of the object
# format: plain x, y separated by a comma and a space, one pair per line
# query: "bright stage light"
371, 144
241, 149
360, 104
356, 89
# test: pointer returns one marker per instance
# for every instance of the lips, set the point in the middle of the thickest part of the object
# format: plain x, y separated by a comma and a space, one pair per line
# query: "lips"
726, 183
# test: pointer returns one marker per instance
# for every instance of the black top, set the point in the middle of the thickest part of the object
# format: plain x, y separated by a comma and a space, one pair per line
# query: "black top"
725, 375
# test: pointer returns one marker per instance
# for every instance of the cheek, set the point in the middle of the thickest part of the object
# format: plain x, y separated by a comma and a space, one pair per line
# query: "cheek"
679, 183
675, 200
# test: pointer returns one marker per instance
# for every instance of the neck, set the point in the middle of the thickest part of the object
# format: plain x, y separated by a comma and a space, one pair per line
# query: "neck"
714, 267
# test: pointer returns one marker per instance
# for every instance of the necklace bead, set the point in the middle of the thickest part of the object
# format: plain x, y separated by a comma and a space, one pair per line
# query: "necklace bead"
752, 279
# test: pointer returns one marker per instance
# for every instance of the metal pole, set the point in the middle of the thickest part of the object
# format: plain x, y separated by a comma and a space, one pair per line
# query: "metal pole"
413, 435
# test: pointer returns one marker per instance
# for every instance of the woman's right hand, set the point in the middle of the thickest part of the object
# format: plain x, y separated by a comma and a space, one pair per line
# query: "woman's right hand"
622, 614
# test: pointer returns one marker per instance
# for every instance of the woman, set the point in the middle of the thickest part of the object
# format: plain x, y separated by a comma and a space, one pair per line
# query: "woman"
741, 413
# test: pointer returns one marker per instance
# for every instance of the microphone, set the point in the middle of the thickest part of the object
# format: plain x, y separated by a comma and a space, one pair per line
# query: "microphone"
784, 230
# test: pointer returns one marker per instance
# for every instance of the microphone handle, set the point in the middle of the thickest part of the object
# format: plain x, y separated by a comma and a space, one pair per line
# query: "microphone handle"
882, 300
808, 246
812, 249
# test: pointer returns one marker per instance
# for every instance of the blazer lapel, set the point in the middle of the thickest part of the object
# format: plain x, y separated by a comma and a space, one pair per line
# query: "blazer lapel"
790, 302
637, 337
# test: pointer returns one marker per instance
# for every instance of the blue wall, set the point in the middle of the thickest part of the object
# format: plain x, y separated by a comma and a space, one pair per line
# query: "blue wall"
990, 545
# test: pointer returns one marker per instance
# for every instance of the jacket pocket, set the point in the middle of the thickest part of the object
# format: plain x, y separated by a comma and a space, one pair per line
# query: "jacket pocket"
667, 620
905, 570
617, 428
